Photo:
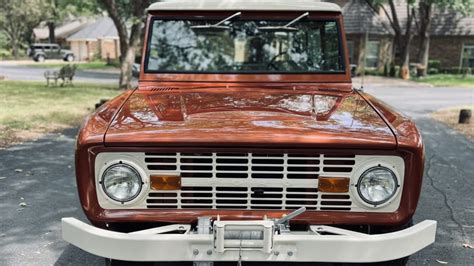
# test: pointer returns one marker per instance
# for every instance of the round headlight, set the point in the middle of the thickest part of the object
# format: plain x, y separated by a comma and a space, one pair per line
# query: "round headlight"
121, 182
377, 185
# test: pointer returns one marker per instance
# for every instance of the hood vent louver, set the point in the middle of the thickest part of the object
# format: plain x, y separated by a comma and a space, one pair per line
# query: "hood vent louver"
163, 89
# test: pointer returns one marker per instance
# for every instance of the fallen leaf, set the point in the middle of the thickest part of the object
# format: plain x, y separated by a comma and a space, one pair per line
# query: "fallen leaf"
441, 262
18, 170
22, 204
3, 177
465, 245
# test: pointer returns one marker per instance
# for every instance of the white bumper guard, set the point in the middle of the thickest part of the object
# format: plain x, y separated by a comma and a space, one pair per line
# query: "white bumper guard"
264, 240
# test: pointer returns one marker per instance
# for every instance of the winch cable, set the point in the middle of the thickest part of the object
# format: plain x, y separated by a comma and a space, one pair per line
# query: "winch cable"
239, 263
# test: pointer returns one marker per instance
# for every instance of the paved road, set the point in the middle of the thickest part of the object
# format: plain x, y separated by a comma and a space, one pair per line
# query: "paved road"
31, 235
22, 72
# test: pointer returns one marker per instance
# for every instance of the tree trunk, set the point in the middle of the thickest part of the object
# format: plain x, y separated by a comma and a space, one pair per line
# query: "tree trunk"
425, 10
52, 29
14, 44
405, 42
405, 60
128, 45
424, 55
123, 37
129, 58
126, 68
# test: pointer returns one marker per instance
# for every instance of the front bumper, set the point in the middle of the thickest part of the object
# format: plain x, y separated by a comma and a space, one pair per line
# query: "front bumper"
319, 244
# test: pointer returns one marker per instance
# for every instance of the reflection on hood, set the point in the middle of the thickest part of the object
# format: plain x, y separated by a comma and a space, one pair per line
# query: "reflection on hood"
229, 111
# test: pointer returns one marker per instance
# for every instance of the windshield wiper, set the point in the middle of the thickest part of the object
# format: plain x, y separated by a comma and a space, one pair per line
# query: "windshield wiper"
218, 25
286, 27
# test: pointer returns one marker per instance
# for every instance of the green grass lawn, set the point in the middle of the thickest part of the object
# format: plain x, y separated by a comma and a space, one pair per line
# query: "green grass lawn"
30, 109
80, 65
447, 80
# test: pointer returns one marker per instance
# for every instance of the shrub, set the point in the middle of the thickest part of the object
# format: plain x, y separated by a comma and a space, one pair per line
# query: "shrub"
434, 64
373, 72
393, 70
433, 71
5, 54
455, 70
386, 70
113, 62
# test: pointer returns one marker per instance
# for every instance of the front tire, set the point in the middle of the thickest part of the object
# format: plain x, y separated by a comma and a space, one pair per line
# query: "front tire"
40, 58
399, 262
69, 58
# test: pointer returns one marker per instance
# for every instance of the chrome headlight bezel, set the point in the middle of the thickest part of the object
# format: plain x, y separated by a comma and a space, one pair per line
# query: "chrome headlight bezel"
136, 169
392, 195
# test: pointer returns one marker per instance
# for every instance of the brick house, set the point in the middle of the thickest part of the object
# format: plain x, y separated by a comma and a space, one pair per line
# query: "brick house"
62, 31
370, 37
452, 40
98, 40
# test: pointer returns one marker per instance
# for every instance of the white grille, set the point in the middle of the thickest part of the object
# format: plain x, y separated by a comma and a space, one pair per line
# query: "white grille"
249, 180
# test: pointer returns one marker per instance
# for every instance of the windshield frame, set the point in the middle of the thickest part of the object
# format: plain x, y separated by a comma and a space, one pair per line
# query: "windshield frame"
325, 76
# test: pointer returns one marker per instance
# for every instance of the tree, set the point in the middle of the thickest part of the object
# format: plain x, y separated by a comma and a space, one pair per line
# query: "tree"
58, 10
17, 18
403, 31
124, 13
425, 14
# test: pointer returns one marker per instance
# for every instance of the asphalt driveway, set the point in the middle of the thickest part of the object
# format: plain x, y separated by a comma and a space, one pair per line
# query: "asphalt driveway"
40, 174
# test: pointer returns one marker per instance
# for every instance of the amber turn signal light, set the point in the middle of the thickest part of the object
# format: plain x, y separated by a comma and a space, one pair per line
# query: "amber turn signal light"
333, 184
165, 182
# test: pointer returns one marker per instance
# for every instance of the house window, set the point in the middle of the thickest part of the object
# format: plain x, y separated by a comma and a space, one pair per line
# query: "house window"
467, 56
350, 46
372, 58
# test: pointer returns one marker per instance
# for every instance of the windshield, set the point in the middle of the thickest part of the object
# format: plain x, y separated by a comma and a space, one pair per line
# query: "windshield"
244, 46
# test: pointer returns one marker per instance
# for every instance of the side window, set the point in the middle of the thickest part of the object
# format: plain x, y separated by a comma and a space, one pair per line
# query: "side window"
467, 56
372, 57
350, 46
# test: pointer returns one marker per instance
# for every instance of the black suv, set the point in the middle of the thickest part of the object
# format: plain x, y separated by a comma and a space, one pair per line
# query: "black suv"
42, 51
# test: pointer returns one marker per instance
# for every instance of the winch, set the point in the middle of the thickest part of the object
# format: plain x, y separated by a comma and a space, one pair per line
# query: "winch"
244, 235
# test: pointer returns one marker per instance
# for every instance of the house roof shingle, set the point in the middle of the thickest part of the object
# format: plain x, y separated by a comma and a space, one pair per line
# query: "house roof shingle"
444, 22
360, 18
61, 31
104, 27
450, 23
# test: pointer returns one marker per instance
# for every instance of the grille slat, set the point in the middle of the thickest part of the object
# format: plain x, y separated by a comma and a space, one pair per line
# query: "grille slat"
249, 181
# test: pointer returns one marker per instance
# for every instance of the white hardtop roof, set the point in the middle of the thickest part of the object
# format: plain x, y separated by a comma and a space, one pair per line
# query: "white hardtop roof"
244, 5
